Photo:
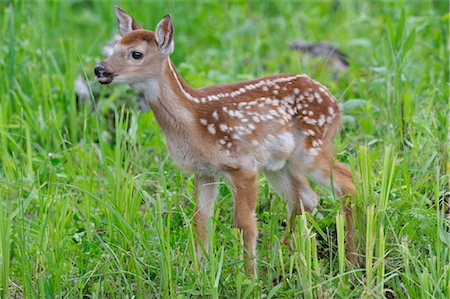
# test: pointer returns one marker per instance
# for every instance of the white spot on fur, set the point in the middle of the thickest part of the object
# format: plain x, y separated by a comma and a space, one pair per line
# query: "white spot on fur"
291, 111
321, 120
309, 121
289, 99
330, 110
238, 114
212, 129
223, 127
273, 112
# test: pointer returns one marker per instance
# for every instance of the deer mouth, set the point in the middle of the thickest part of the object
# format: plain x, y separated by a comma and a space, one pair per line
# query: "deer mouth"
105, 79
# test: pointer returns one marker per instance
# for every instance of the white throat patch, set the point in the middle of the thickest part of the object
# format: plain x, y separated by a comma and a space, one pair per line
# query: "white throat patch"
149, 88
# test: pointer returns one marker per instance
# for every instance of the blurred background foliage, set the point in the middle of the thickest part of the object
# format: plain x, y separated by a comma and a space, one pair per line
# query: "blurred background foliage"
91, 205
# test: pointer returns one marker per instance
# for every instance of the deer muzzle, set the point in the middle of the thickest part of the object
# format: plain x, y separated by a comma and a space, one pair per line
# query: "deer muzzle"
102, 73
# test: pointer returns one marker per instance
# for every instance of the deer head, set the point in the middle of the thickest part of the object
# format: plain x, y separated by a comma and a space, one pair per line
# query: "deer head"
139, 56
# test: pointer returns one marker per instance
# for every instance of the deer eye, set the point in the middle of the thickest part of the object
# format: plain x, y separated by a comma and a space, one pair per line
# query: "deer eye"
136, 55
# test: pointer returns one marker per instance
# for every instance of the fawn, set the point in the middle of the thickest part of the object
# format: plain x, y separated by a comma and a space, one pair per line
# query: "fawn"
282, 125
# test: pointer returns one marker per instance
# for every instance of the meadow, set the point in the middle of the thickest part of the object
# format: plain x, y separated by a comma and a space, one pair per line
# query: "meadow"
92, 206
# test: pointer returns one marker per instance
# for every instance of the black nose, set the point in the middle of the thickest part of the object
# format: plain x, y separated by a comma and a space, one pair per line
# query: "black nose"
99, 69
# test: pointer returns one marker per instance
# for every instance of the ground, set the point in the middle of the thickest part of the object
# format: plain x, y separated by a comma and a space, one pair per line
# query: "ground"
92, 206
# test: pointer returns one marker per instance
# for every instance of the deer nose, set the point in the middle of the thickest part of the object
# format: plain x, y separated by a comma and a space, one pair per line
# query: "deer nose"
100, 69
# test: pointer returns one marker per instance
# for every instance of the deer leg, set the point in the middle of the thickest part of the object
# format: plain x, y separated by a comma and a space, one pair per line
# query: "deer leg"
245, 192
343, 185
206, 193
302, 194
344, 180
297, 192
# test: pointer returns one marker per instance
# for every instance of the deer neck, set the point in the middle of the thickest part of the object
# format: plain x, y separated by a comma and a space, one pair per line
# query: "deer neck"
167, 97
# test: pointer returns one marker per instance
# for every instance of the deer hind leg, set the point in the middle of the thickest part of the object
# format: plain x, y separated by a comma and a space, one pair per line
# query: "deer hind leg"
296, 190
245, 193
333, 173
206, 192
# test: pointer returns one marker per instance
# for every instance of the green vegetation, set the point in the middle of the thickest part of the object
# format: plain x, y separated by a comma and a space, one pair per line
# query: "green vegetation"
91, 204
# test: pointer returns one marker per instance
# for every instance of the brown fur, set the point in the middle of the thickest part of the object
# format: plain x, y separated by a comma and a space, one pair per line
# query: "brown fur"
137, 35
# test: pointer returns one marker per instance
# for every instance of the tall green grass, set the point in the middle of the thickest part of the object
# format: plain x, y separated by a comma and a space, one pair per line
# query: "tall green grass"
91, 204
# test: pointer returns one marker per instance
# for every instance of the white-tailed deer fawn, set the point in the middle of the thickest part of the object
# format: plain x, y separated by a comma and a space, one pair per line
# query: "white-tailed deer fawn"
282, 125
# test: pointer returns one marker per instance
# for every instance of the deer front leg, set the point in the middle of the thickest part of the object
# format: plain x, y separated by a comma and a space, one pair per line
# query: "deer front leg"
245, 192
206, 192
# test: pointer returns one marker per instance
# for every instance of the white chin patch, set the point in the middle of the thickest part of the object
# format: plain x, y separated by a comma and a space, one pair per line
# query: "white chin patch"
122, 79
105, 80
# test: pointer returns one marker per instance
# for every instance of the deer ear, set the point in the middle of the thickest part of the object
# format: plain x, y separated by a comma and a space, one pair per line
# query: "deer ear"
125, 21
164, 35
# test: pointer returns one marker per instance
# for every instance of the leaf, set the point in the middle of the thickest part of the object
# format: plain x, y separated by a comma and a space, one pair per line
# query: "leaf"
409, 42
390, 27
353, 103
379, 69
444, 236
219, 270
316, 225
274, 290
348, 119
400, 30
248, 290
55, 161
364, 42
367, 125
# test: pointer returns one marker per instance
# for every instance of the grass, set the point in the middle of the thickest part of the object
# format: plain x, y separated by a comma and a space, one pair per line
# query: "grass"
91, 205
